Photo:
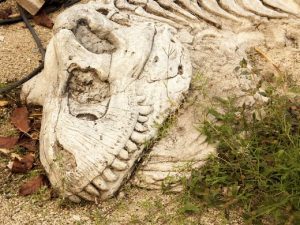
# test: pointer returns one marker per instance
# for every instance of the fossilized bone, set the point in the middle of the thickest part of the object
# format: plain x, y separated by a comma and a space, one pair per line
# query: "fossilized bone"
115, 70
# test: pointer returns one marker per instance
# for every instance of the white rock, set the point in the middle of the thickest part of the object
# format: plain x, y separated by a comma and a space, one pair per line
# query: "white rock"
76, 218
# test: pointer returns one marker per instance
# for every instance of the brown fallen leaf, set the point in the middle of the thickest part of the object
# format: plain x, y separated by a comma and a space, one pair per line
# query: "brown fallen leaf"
42, 19
14, 155
19, 118
29, 144
33, 185
35, 135
5, 13
3, 103
22, 165
8, 142
5, 151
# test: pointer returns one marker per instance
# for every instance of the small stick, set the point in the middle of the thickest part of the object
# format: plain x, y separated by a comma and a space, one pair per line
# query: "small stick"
268, 59
38, 43
32, 31
16, 84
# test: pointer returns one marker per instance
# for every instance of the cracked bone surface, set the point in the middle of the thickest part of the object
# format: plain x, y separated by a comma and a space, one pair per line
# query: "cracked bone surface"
115, 70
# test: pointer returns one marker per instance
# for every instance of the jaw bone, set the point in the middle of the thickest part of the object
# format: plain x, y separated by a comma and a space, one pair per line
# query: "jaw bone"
104, 89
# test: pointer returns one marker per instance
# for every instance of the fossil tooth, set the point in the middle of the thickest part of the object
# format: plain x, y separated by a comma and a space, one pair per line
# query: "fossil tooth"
140, 128
86, 196
139, 138
92, 190
109, 175
100, 183
124, 154
74, 198
131, 146
142, 119
119, 165
145, 110
141, 98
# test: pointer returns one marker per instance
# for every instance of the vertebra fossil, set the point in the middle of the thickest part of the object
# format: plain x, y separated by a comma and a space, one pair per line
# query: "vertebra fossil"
115, 70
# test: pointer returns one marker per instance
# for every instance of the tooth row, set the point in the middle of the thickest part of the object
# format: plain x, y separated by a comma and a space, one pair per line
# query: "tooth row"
100, 185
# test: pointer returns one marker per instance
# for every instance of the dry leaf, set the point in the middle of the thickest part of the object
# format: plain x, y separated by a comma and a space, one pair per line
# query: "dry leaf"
33, 185
35, 135
3, 103
5, 13
15, 155
8, 142
19, 118
22, 165
42, 19
29, 144
4, 151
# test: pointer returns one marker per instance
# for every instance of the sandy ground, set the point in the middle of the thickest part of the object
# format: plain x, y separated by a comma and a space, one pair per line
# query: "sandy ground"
18, 52
19, 56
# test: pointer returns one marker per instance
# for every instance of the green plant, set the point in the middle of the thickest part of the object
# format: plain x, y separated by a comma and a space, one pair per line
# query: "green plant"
257, 167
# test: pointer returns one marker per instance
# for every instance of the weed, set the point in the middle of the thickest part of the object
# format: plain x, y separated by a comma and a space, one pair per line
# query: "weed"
164, 129
257, 167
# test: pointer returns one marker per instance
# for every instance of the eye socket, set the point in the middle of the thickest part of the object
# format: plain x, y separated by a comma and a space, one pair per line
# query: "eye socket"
99, 43
88, 95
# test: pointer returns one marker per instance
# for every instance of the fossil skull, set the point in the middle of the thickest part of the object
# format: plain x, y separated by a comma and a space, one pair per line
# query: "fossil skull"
115, 69
105, 90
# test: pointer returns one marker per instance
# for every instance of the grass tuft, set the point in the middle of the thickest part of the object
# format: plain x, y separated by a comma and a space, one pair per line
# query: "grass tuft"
257, 168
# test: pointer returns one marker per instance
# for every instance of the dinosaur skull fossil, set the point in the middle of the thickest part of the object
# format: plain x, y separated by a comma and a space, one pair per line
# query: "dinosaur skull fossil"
105, 89
115, 69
